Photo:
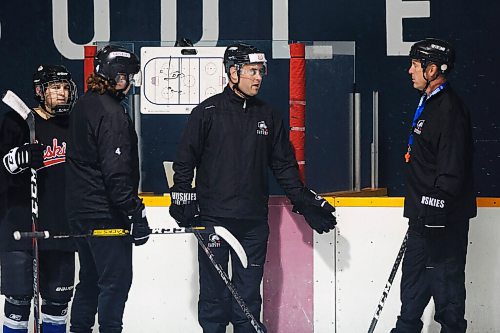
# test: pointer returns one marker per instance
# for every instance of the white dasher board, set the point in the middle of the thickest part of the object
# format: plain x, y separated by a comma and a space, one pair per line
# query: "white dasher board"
176, 79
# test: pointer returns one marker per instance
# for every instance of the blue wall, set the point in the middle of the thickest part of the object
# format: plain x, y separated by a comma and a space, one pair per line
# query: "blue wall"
26, 40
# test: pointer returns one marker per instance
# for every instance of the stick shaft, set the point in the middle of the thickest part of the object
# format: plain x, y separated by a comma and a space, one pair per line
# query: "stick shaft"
109, 233
388, 285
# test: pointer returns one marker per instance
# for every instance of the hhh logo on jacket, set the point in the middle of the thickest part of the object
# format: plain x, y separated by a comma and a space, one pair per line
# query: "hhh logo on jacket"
262, 128
418, 128
214, 240
54, 154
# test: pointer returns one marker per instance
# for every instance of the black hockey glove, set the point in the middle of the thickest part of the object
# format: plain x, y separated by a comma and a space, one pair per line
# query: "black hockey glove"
139, 226
433, 214
184, 207
316, 211
29, 155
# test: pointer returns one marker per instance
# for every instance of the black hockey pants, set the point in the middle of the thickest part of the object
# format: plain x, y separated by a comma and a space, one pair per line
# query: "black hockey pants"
434, 267
105, 280
216, 305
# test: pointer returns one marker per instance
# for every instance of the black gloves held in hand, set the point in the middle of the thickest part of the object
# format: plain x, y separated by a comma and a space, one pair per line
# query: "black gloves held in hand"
139, 227
184, 207
29, 155
318, 213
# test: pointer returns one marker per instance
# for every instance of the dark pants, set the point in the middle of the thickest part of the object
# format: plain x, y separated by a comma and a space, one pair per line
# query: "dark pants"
56, 271
105, 280
434, 266
216, 305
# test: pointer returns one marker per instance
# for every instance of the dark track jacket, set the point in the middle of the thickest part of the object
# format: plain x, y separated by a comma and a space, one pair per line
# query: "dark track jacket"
439, 176
232, 144
103, 165
15, 189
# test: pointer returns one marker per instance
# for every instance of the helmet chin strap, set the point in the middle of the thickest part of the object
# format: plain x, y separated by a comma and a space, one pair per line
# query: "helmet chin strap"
428, 82
121, 93
237, 89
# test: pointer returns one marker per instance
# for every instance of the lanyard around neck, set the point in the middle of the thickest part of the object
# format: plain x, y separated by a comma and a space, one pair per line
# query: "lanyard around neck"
416, 116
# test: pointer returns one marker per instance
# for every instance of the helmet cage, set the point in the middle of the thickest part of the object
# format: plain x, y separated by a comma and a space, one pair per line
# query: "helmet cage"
63, 108
44, 77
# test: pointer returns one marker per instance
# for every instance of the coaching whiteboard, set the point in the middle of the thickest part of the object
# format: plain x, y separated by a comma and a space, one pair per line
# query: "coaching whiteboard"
176, 79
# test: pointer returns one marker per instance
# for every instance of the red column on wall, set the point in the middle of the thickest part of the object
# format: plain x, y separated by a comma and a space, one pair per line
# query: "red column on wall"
88, 63
298, 104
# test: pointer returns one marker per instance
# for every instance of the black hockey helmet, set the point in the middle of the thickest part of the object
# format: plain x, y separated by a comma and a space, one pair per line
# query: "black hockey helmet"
240, 54
48, 74
112, 61
435, 51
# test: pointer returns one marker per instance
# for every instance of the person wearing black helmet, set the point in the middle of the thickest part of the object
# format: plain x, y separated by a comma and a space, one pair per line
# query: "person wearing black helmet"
55, 93
102, 191
233, 139
440, 198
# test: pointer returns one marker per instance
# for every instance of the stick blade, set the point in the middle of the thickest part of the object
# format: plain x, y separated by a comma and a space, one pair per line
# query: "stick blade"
234, 243
12, 100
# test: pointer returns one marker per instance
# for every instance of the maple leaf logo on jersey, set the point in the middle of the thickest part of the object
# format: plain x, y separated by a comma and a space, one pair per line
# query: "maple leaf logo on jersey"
54, 154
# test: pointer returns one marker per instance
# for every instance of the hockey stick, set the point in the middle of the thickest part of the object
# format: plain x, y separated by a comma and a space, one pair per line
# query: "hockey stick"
388, 285
220, 231
25, 112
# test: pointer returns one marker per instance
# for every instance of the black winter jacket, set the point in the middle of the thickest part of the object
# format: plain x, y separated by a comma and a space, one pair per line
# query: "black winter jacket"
233, 143
439, 176
103, 165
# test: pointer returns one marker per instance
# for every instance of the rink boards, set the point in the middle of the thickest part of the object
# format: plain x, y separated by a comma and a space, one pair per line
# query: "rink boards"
313, 283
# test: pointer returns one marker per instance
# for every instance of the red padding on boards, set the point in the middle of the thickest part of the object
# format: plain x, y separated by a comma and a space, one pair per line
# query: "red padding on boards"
297, 103
88, 63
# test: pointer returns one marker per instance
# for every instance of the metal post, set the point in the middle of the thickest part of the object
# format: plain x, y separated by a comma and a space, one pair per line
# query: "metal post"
357, 141
136, 111
351, 141
374, 145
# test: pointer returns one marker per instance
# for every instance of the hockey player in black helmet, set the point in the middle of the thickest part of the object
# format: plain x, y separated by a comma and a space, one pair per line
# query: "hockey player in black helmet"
440, 197
102, 192
117, 66
50, 84
55, 92
432, 51
239, 57
233, 139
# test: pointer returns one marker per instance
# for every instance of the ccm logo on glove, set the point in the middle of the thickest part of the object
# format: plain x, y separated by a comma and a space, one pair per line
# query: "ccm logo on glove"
432, 202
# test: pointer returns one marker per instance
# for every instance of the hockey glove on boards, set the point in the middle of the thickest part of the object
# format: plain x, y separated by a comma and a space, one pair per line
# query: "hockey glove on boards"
318, 213
29, 155
139, 226
184, 207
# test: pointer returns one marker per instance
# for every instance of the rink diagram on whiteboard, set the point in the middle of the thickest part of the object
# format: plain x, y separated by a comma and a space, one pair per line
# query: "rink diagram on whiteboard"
174, 83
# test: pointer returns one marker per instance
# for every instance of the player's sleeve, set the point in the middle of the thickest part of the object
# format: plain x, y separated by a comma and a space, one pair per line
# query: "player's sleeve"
283, 163
453, 151
189, 150
13, 133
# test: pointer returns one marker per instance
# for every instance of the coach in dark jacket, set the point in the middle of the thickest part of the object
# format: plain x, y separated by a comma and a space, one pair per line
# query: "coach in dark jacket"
440, 198
102, 177
233, 139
